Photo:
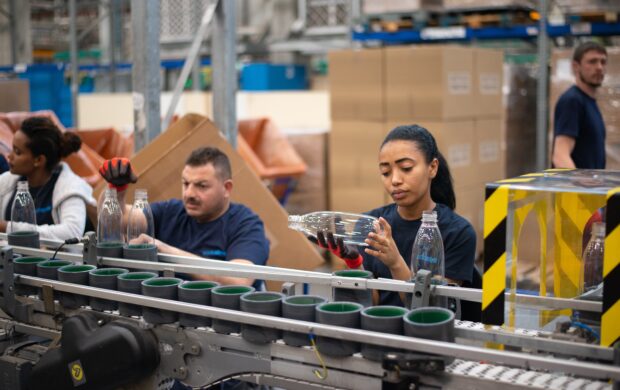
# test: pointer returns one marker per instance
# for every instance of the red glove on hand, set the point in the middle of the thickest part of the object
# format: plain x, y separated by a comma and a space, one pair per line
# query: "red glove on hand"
337, 246
117, 172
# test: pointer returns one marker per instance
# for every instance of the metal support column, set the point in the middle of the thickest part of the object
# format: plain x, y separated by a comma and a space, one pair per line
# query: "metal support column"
542, 102
196, 64
224, 56
115, 31
13, 29
146, 73
20, 32
73, 50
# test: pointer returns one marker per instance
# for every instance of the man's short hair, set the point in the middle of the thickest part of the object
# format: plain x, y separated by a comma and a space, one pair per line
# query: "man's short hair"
210, 155
585, 47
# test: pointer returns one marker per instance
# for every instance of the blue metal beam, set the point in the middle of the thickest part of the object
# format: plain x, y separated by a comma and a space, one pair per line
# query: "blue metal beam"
439, 34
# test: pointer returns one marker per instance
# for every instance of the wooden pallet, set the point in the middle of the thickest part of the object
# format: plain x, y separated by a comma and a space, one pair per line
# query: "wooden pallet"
393, 23
593, 17
496, 17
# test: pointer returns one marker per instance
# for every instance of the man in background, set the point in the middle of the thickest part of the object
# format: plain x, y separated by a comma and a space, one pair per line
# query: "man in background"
579, 130
205, 222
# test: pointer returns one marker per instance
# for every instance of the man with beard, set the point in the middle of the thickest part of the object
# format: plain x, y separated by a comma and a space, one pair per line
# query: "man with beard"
205, 223
579, 130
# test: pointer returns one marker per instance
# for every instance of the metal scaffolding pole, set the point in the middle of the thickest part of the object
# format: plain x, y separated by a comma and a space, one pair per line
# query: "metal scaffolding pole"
115, 27
146, 73
542, 102
13, 29
73, 49
196, 64
224, 56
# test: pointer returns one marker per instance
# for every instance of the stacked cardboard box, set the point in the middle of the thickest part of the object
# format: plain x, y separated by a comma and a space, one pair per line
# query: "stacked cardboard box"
357, 104
455, 92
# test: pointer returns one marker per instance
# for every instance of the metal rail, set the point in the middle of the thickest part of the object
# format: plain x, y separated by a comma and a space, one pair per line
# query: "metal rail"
193, 265
580, 368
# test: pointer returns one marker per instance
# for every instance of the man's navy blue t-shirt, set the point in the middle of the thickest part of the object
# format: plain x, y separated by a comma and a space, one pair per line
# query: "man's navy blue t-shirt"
238, 234
459, 241
578, 116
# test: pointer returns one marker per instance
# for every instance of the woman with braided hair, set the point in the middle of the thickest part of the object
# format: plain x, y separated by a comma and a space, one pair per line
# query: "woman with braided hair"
60, 196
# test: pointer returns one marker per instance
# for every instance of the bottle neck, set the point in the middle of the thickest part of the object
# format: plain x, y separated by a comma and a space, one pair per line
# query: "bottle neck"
22, 186
294, 221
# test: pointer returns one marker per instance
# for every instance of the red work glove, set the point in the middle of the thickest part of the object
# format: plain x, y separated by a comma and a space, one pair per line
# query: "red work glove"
117, 172
349, 254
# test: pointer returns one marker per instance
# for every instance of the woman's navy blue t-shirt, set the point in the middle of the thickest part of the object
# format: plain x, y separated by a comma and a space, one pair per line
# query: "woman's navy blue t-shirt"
459, 241
238, 234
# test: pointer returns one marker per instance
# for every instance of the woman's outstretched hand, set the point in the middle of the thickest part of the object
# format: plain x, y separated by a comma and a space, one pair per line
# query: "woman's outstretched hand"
383, 246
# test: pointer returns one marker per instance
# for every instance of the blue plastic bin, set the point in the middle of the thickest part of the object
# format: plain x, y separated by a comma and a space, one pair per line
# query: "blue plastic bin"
270, 77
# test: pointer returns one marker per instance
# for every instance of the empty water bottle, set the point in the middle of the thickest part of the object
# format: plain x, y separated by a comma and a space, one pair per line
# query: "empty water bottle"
593, 258
22, 228
428, 253
592, 279
352, 228
109, 225
140, 218
140, 230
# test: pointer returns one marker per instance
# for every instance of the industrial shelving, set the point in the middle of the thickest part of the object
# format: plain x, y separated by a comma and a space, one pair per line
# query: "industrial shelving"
461, 33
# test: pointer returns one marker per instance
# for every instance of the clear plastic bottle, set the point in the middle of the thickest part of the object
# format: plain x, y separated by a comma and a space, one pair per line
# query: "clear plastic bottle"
352, 228
428, 252
140, 218
23, 215
593, 258
109, 222
22, 229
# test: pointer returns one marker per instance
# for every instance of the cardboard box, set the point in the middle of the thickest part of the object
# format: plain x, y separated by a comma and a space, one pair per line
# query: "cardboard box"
470, 205
14, 95
429, 82
310, 193
356, 82
488, 81
357, 199
456, 141
353, 154
159, 167
490, 149
354, 177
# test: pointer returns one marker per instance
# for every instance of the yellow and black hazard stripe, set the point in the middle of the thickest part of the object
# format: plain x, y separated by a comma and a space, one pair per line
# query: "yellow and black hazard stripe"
494, 277
610, 318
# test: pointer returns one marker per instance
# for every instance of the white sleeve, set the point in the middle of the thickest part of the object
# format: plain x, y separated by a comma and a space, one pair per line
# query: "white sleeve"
72, 213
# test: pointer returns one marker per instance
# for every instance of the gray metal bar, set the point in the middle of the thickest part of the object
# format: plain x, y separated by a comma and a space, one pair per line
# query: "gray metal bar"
92, 26
73, 50
217, 267
224, 56
115, 27
190, 60
29, 329
542, 88
13, 29
18, 16
146, 73
479, 332
196, 74
580, 368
